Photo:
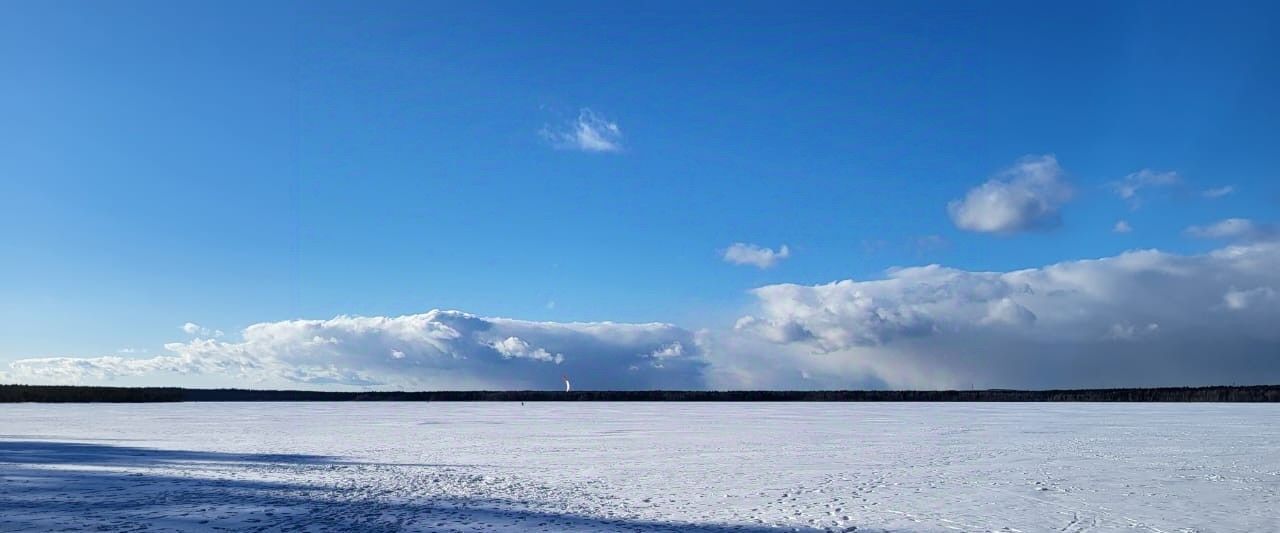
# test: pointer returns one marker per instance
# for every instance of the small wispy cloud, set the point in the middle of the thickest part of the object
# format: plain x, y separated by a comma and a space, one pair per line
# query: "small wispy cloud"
1124, 331
1237, 229
929, 243
1129, 186
1218, 192
740, 253
1122, 226
191, 328
1237, 300
674, 349
588, 133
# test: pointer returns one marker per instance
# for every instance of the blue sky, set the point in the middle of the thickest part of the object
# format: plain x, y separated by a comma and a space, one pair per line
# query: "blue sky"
233, 163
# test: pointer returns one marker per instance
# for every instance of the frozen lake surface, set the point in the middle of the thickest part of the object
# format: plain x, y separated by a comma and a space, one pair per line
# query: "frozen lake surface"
640, 467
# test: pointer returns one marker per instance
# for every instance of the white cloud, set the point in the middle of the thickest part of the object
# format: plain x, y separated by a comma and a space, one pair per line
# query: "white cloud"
1238, 300
588, 133
1054, 326
1125, 331
1218, 192
1008, 312
1129, 186
1122, 226
1023, 197
191, 328
1237, 229
62, 370
1139, 318
433, 350
749, 254
674, 349
517, 347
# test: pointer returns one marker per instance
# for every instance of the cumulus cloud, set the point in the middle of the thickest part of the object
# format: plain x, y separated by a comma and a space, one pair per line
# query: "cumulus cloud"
588, 133
1236, 229
1218, 192
191, 328
1026, 196
1129, 186
1122, 226
740, 253
1140, 318
433, 350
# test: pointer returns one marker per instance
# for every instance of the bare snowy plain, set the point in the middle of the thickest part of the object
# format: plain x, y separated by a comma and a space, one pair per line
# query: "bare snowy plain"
708, 467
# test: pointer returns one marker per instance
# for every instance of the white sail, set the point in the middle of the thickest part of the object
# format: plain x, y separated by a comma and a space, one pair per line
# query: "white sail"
567, 387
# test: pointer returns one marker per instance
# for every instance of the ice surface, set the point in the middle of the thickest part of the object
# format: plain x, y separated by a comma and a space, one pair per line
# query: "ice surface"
640, 467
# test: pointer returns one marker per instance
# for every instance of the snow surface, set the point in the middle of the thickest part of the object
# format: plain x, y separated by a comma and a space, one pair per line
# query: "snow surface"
640, 467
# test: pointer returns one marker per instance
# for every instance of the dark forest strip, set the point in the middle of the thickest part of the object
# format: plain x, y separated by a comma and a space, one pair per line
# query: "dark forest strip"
67, 394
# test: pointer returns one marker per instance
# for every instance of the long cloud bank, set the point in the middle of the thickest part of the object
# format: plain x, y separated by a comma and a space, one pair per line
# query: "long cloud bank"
433, 350
1139, 318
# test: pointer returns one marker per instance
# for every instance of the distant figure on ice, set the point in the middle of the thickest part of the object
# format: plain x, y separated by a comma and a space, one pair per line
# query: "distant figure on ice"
567, 388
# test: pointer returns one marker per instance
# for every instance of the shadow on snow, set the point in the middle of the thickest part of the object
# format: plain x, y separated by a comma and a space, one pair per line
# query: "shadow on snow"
34, 452
44, 485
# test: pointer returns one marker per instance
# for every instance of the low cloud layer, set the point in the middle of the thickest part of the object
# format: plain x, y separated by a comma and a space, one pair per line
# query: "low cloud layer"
1026, 196
1139, 318
740, 253
433, 350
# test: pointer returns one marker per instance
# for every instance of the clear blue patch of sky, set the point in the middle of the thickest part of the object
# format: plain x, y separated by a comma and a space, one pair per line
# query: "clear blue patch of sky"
234, 162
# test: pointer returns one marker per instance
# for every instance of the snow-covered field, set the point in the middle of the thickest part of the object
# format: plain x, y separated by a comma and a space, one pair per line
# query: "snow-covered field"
640, 467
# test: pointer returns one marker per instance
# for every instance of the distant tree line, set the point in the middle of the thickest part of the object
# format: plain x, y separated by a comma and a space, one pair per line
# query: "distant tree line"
39, 393
66, 394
